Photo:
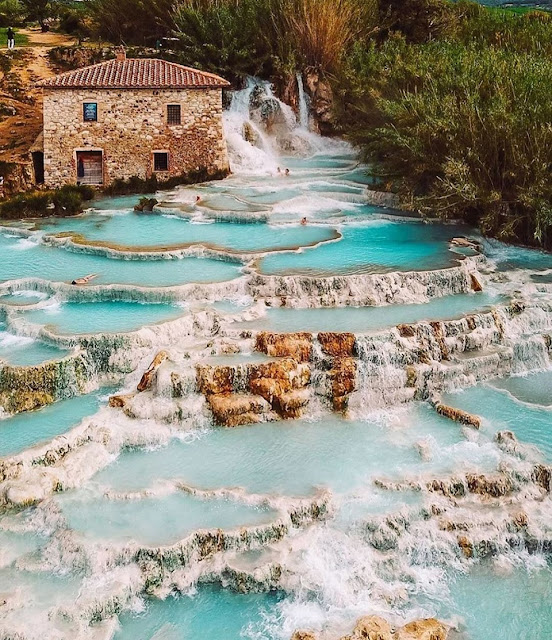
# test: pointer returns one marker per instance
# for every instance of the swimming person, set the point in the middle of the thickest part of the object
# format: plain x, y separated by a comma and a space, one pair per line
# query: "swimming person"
287, 172
85, 279
304, 221
10, 34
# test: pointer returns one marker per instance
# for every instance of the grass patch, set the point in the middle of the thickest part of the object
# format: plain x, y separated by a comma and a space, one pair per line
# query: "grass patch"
21, 39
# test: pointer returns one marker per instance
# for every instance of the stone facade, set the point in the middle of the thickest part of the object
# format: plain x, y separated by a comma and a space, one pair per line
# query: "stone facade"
131, 125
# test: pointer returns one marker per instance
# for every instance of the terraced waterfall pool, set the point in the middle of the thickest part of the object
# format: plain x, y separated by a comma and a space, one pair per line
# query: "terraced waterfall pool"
247, 426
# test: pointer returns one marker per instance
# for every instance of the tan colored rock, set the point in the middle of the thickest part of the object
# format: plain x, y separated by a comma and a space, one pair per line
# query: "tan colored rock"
494, 486
438, 331
466, 545
406, 331
337, 344
542, 475
343, 377
19, 401
120, 402
475, 284
303, 635
147, 378
372, 628
291, 373
463, 417
233, 410
215, 379
429, 629
290, 405
296, 345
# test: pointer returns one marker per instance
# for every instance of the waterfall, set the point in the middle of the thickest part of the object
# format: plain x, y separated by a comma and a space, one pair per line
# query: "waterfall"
303, 103
260, 128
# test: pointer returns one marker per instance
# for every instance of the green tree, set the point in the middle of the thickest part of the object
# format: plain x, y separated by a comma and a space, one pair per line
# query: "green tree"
11, 12
39, 10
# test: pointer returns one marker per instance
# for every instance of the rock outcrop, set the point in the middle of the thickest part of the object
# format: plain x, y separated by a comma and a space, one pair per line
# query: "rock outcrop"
295, 345
147, 379
376, 628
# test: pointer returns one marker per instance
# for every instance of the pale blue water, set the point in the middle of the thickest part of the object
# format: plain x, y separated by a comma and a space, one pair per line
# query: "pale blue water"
99, 317
371, 248
210, 614
25, 430
154, 231
294, 458
534, 389
155, 521
23, 351
362, 319
509, 607
22, 258
531, 424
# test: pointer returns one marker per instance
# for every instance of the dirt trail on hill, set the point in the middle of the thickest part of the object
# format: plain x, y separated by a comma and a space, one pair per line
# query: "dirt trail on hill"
19, 94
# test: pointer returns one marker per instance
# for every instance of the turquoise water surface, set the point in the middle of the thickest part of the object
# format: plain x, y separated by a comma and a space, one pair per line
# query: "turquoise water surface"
25, 351
99, 317
294, 458
363, 319
28, 429
531, 424
371, 248
23, 258
155, 521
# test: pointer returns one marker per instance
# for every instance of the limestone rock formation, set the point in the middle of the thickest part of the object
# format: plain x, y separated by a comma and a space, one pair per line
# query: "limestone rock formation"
343, 376
147, 378
463, 417
296, 345
372, 628
376, 628
20, 401
429, 629
337, 344
233, 410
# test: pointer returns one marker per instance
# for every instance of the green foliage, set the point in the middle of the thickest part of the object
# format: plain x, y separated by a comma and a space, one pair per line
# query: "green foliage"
11, 12
26, 205
462, 124
232, 37
66, 201
240, 37
151, 185
132, 21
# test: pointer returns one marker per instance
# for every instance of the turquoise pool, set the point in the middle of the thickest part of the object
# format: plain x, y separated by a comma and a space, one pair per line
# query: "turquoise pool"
23, 258
98, 317
29, 429
364, 319
23, 351
373, 247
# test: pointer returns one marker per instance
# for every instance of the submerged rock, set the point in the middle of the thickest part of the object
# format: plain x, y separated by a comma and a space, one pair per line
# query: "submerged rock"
458, 415
234, 410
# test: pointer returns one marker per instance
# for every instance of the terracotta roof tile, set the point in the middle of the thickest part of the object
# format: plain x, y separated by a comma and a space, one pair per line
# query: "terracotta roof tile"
135, 73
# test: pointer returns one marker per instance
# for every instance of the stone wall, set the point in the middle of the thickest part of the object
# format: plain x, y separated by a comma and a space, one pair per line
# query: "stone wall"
131, 125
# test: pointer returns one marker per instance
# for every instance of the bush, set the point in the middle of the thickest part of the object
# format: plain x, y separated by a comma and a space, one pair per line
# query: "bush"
463, 130
26, 205
66, 201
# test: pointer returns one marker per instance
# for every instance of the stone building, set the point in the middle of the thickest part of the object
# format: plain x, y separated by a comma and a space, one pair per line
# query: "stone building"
131, 117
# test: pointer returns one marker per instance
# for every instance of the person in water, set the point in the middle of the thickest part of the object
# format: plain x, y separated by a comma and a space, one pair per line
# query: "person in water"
279, 171
304, 221
287, 172
198, 199
85, 279
10, 35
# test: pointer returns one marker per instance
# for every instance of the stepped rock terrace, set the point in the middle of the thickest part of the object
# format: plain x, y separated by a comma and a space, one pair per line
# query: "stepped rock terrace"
249, 427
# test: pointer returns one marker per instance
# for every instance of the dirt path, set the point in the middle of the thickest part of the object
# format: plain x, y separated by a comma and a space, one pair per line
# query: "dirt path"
19, 131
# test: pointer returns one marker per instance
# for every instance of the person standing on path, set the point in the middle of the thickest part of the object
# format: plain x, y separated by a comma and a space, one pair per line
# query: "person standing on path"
11, 38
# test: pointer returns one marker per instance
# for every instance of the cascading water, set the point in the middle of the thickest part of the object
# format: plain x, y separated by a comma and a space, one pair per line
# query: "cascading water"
303, 103
299, 517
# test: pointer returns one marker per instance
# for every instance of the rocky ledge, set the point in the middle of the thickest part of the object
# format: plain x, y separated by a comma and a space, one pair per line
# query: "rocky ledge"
376, 628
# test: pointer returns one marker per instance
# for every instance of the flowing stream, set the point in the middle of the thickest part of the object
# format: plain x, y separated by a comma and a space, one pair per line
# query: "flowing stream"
148, 516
